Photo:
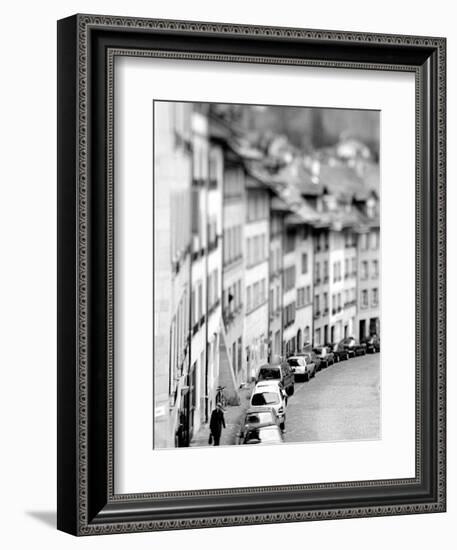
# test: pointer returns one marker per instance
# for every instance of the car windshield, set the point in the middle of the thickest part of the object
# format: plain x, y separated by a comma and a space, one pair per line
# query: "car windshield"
269, 374
266, 398
263, 435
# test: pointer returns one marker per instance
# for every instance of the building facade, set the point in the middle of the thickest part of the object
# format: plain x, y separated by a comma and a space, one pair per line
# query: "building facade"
234, 216
256, 243
172, 267
278, 211
368, 282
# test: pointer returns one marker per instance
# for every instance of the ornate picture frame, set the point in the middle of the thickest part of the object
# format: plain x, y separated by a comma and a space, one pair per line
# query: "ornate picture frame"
87, 47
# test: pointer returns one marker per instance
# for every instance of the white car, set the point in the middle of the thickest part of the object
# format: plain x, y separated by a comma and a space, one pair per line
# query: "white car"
270, 394
302, 366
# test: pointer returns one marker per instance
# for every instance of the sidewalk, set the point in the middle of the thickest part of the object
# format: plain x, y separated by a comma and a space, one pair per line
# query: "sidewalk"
233, 417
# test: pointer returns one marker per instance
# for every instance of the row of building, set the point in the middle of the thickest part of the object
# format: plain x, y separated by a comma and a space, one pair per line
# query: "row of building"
254, 256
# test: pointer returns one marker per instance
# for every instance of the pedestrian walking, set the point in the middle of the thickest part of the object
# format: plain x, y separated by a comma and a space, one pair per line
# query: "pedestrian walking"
216, 423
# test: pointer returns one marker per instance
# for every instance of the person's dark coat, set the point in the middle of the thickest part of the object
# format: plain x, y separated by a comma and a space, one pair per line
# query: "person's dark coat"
217, 422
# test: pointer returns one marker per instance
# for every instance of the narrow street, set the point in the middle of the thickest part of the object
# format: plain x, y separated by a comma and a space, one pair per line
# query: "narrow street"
341, 403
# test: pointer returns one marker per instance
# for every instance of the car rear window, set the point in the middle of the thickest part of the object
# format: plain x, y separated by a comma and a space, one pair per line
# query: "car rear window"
293, 362
266, 398
258, 418
269, 374
263, 435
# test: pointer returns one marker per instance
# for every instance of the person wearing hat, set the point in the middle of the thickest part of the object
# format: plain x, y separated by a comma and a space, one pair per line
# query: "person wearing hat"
216, 423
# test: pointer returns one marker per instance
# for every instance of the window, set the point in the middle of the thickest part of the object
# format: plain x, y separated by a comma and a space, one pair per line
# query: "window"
325, 301
300, 297
304, 263
248, 299
374, 240
364, 298
346, 268
255, 295
263, 254
213, 167
375, 269
262, 291
317, 272
195, 211
289, 314
289, 278
316, 304
374, 297
364, 270
325, 241
364, 241
249, 251
225, 247
317, 337
335, 271
289, 242
306, 335
255, 250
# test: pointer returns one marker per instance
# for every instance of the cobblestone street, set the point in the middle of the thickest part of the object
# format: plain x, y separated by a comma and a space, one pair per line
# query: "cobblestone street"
341, 403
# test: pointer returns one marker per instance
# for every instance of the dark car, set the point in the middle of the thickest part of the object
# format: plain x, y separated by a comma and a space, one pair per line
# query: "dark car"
353, 347
259, 416
372, 343
339, 351
282, 373
269, 434
324, 355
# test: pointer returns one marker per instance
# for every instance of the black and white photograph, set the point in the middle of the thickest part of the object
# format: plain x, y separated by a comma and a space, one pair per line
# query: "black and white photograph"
267, 274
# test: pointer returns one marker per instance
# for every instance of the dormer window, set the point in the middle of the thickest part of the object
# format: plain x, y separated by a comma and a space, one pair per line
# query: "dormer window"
330, 202
370, 207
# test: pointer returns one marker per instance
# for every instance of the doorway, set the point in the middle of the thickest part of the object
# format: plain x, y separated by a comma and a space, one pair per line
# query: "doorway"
362, 329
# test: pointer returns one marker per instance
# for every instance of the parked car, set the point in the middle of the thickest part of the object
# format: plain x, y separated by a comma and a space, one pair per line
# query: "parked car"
302, 366
340, 353
270, 394
255, 418
325, 356
353, 347
372, 343
269, 434
281, 372
311, 357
